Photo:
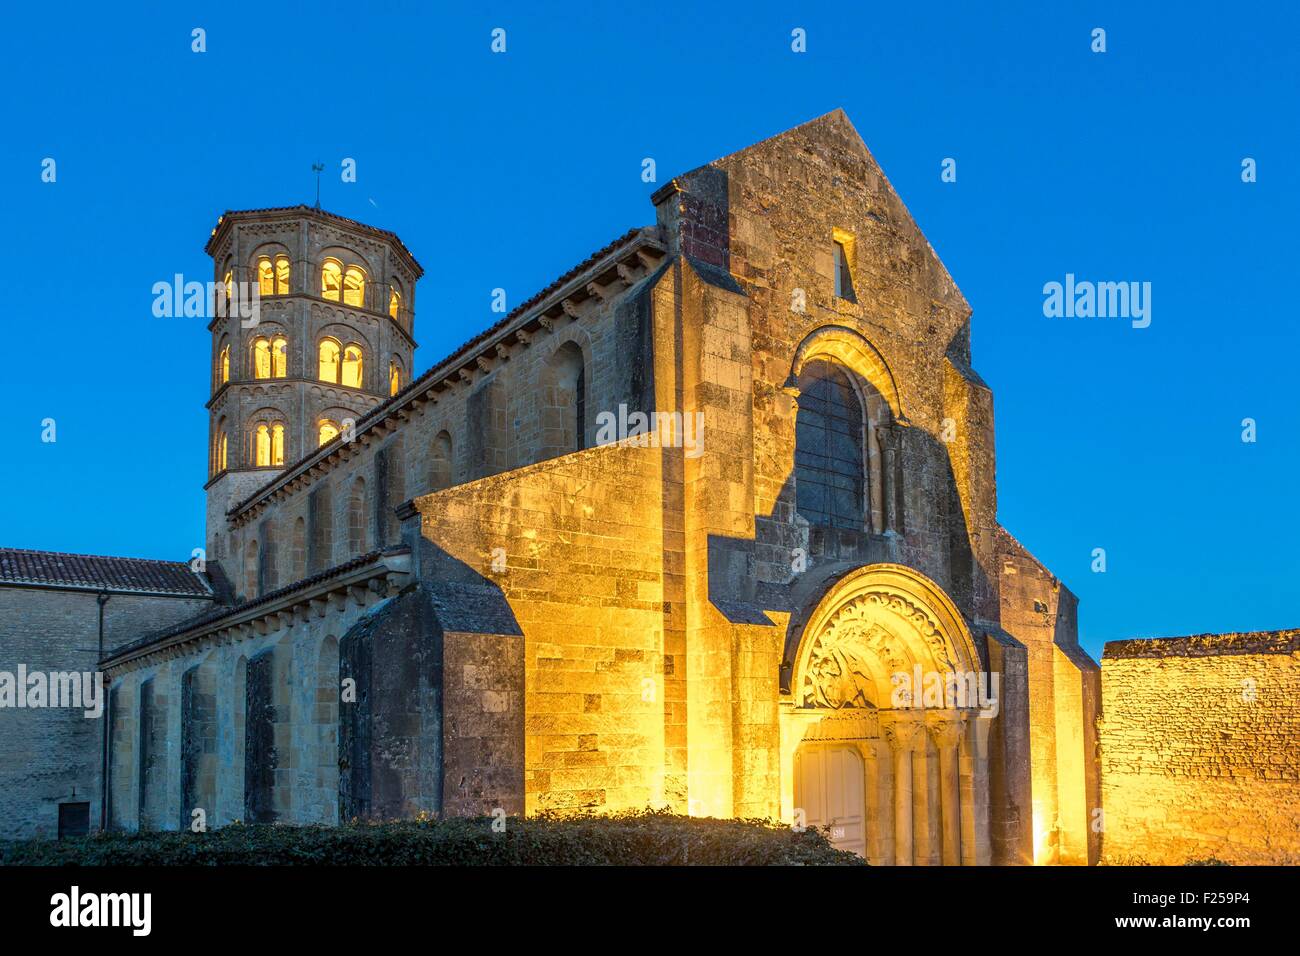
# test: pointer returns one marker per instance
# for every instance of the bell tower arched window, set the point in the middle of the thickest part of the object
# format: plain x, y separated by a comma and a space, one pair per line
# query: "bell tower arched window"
331, 280
339, 364
326, 430
270, 356
342, 284
268, 444
273, 277
354, 286
830, 451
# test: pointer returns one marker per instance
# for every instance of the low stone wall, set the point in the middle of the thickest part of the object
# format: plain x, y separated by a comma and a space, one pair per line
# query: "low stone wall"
1200, 749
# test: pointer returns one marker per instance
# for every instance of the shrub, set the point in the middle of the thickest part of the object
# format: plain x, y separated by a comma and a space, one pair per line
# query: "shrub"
643, 838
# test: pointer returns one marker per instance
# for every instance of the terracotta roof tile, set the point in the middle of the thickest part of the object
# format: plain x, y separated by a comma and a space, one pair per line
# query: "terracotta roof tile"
85, 571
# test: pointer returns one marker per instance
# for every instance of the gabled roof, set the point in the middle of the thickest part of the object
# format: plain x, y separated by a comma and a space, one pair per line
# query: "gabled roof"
312, 211
82, 572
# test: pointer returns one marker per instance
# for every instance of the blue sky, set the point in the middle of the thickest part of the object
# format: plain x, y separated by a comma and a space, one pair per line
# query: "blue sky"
505, 170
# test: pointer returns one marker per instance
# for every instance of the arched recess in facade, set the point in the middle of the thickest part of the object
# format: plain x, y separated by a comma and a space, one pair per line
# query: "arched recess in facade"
882, 406
852, 350
853, 687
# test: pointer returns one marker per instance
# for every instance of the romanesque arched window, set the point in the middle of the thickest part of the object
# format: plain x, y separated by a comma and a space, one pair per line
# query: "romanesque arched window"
250, 570
273, 276
564, 401
270, 356
829, 448
354, 286
339, 364
326, 430
223, 365
350, 367
440, 463
331, 280
357, 518
220, 443
339, 283
394, 377
268, 444
394, 302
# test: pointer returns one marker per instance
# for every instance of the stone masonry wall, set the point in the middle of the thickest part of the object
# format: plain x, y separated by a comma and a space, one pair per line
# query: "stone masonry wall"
1200, 749
578, 546
52, 756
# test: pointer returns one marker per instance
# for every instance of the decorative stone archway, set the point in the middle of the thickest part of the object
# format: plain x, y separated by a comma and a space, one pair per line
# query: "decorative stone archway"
925, 755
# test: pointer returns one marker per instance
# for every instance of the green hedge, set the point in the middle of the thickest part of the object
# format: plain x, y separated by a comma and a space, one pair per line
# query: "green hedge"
648, 838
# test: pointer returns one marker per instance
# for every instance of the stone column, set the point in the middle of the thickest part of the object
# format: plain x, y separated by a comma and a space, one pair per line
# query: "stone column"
946, 731
878, 767
904, 735
966, 771
885, 438
976, 740
925, 783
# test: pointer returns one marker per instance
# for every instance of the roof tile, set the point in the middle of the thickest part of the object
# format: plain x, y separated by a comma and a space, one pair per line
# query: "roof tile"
19, 566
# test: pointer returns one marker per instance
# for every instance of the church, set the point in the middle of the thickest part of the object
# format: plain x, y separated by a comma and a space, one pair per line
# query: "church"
710, 522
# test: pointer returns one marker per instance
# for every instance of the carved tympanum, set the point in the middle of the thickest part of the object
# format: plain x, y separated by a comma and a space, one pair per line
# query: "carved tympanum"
838, 672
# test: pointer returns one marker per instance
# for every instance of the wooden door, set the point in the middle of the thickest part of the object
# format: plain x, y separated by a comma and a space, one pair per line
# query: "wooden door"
828, 786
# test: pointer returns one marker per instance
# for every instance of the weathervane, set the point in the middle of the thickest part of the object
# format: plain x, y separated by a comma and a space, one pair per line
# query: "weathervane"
318, 168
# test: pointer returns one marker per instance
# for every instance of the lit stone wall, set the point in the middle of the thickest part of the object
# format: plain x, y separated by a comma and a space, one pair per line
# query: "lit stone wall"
1041, 613
579, 546
1200, 749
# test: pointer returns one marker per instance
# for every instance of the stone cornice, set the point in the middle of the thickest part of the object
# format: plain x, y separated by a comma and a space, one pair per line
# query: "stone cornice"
363, 580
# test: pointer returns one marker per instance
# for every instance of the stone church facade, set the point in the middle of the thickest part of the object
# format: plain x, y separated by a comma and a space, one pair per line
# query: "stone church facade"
473, 590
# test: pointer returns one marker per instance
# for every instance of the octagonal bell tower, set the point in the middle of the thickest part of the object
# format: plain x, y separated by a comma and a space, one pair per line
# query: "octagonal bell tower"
329, 338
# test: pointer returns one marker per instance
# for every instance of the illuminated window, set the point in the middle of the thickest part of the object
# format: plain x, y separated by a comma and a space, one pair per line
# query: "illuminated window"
265, 277
219, 453
261, 358
394, 303
326, 430
270, 357
329, 360
262, 446
352, 366
331, 280
340, 365
230, 288
394, 377
273, 279
223, 364
354, 286
268, 444
279, 356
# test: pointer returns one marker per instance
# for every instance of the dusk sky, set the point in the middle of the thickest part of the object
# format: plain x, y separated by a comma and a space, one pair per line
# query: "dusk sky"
505, 170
